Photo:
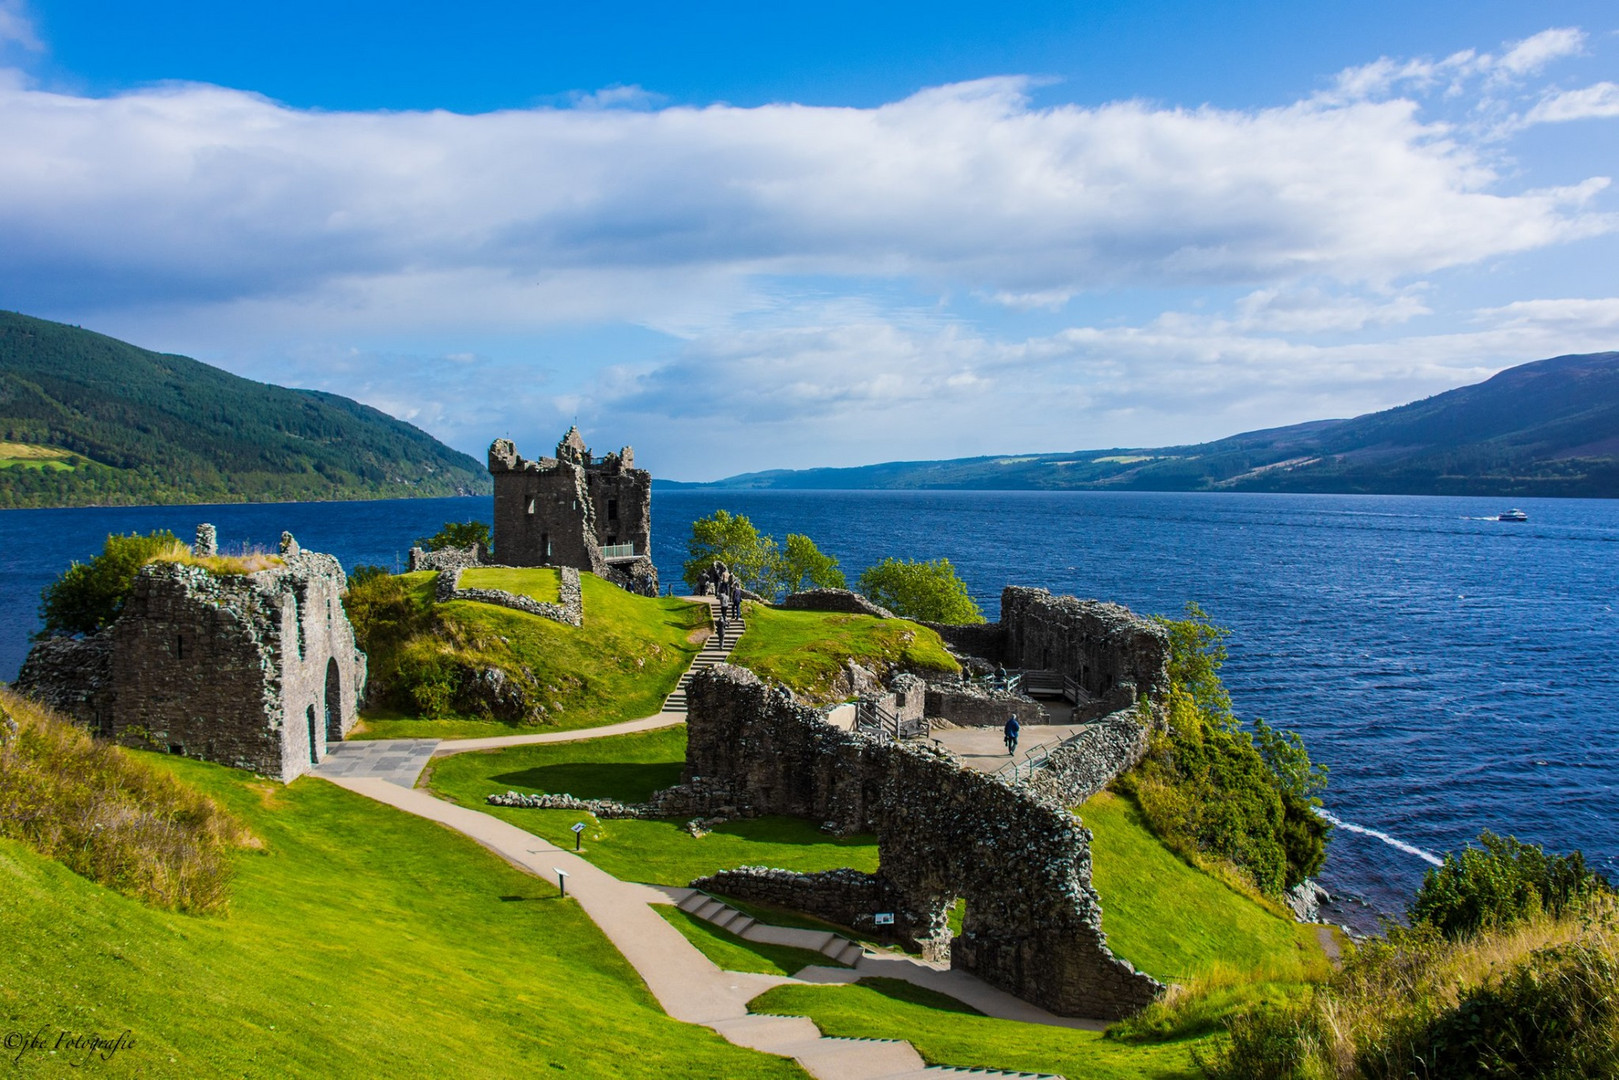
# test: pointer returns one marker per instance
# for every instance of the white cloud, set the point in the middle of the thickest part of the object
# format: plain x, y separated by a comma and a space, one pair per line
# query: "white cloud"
1592, 102
17, 27
1533, 53
200, 195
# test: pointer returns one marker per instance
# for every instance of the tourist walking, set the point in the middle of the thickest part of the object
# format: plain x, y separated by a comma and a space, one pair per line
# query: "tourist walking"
1012, 729
722, 631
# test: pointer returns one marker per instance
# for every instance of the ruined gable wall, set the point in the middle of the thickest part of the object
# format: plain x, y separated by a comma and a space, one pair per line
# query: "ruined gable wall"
1033, 924
192, 664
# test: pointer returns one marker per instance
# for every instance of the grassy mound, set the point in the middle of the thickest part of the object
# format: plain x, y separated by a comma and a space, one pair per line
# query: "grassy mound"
107, 814
806, 650
1216, 932
361, 942
465, 669
629, 768
946, 1032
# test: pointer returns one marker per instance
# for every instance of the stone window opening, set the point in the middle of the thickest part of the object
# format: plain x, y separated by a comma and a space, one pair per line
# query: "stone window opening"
314, 747
545, 544
298, 617
179, 647
612, 509
177, 749
531, 505
334, 702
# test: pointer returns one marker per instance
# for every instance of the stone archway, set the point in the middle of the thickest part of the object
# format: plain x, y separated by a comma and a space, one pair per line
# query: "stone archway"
334, 702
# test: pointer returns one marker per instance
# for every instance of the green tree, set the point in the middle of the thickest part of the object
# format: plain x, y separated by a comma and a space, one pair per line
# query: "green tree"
804, 566
457, 534
930, 591
88, 597
733, 540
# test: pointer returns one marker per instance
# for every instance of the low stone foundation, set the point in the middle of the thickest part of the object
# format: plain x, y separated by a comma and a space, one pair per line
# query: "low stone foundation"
570, 610
850, 603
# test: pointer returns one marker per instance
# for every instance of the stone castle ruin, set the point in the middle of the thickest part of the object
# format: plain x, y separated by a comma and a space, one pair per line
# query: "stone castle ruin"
259, 671
575, 510
1006, 843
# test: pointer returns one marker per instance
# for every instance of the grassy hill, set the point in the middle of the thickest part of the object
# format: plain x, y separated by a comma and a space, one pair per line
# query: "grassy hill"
86, 419
464, 669
1548, 428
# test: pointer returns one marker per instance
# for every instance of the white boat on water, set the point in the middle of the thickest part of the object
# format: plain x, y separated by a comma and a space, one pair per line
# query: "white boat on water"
1512, 515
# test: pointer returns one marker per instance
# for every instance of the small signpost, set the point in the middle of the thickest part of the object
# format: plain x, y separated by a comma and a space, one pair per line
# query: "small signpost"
578, 831
562, 880
884, 918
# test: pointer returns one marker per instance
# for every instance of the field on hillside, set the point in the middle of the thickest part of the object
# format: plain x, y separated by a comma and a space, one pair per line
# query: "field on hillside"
805, 650
359, 942
430, 662
629, 768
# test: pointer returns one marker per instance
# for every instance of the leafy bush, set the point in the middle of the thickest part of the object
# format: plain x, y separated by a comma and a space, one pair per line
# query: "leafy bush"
88, 597
105, 814
1504, 881
930, 591
1216, 793
457, 534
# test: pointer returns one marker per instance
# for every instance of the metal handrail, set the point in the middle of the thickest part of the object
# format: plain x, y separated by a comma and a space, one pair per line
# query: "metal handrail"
618, 551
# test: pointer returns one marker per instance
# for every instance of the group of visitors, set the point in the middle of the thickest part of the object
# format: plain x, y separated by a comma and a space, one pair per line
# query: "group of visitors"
718, 581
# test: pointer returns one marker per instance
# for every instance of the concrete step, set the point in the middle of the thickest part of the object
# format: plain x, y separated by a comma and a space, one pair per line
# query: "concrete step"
855, 1059
849, 955
945, 1072
709, 910
770, 1034
733, 922
694, 901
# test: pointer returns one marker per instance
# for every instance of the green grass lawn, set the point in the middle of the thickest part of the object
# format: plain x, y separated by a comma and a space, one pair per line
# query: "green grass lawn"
732, 953
629, 768
540, 583
805, 650
946, 1032
620, 665
1215, 932
359, 942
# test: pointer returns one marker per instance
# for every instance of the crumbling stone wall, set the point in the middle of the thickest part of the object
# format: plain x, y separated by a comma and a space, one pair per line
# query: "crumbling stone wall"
1022, 862
1087, 763
450, 558
985, 640
1106, 648
260, 671
972, 705
72, 676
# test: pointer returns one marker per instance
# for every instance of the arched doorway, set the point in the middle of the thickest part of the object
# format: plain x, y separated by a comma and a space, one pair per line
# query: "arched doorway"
314, 747
334, 702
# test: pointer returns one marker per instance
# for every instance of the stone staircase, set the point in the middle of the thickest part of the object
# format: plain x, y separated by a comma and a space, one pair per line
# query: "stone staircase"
797, 1037
710, 655
830, 945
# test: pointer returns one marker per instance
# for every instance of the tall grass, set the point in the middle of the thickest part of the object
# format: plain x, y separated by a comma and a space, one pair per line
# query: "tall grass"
105, 814
250, 560
1539, 998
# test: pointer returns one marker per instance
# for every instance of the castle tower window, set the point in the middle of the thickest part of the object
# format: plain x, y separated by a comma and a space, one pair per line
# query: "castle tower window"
531, 503
179, 647
612, 509
545, 544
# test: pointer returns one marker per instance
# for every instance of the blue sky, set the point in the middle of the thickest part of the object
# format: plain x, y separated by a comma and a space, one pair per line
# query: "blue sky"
822, 235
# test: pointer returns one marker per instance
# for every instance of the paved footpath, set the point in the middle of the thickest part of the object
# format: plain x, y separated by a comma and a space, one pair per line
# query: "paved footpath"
686, 983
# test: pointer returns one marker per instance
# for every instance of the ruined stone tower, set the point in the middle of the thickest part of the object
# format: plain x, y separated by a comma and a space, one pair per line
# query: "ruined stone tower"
574, 510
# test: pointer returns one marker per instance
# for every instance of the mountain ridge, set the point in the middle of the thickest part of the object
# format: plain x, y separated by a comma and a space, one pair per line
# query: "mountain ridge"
1545, 428
90, 420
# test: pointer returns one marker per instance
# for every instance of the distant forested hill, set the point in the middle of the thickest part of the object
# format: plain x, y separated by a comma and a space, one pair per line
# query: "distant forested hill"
1550, 428
86, 419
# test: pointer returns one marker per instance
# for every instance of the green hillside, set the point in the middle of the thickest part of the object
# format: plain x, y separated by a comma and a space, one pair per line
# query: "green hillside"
1548, 428
86, 419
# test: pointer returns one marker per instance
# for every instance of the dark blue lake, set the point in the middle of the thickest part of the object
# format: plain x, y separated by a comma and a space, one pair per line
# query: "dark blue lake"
1453, 671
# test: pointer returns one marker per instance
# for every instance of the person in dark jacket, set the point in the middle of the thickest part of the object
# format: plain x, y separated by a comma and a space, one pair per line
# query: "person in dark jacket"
1012, 729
